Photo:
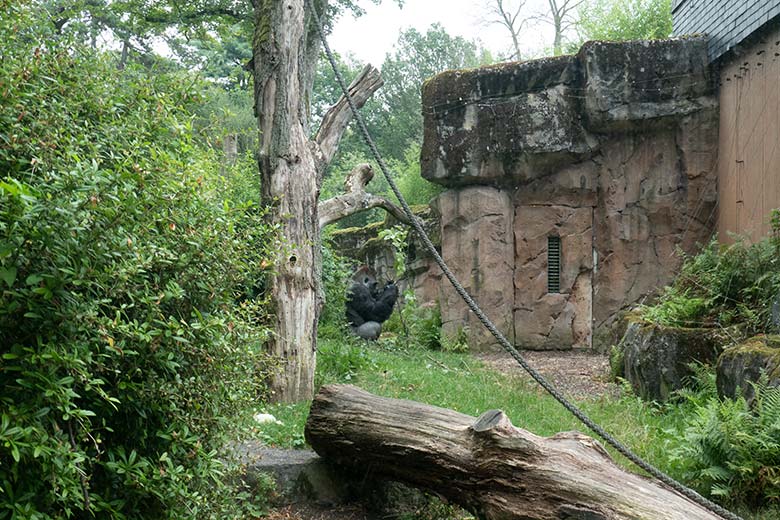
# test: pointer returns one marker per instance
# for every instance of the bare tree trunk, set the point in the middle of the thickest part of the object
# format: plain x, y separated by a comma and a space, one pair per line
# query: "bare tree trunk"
285, 50
230, 148
509, 18
282, 52
486, 465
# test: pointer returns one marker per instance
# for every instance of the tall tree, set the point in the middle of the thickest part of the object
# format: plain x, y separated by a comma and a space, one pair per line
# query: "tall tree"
561, 15
507, 14
292, 164
625, 19
397, 121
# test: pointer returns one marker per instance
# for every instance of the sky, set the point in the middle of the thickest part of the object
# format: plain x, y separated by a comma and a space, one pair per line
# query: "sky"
371, 36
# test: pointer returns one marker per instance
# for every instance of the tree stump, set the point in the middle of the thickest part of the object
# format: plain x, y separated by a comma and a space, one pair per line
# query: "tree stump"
486, 465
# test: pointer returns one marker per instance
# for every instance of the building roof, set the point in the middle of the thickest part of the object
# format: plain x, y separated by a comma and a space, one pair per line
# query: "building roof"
726, 22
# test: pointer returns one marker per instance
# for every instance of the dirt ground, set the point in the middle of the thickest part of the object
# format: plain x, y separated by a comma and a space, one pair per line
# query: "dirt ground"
312, 512
579, 374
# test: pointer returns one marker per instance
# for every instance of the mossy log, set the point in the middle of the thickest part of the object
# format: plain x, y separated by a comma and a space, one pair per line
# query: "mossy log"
486, 465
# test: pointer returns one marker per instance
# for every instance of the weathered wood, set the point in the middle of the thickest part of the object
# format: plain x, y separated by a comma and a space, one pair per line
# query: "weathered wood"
356, 199
338, 117
284, 53
486, 465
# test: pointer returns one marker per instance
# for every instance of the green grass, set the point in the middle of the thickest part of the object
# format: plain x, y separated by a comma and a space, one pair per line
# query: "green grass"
462, 383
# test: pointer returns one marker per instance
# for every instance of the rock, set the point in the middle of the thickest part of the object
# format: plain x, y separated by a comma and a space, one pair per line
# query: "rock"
656, 358
264, 418
508, 121
370, 330
477, 240
614, 148
545, 320
302, 476
742, 364
630, 85
299, 474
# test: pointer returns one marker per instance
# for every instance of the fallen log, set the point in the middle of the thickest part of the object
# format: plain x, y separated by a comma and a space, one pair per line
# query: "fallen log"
485, 465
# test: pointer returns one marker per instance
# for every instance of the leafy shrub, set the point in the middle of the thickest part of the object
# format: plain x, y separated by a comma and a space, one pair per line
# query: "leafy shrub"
724, 285
731, 449
336, 277
129, 346
415, 189
677, 309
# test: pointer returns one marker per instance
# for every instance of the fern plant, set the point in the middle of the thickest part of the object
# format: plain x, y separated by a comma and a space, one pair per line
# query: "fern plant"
730, 448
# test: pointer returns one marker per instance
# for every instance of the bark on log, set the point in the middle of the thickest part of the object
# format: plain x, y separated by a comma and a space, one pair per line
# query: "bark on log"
486, 465
356, 199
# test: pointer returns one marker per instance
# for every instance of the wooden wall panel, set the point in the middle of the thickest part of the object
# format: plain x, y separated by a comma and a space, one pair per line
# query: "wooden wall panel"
749, 159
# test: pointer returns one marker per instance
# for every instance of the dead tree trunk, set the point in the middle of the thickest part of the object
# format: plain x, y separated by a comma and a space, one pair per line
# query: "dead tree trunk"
285, 52
486, 465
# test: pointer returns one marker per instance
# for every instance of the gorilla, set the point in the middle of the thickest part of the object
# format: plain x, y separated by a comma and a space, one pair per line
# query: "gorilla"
368, 305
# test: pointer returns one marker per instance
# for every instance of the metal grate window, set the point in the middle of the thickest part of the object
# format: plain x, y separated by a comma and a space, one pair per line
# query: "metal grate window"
553, 264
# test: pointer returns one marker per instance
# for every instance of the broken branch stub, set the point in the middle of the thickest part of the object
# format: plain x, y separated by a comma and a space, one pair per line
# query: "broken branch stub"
356, 199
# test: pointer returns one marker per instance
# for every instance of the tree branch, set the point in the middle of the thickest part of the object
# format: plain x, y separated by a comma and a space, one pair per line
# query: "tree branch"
356, 199
337, 118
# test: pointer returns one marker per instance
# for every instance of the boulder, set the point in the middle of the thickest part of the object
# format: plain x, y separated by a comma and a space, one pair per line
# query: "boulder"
742, 364
656, 358
303, 476
298, 474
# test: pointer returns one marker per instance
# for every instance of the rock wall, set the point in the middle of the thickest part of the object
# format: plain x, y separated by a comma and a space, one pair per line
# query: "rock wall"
613, 150
363, 245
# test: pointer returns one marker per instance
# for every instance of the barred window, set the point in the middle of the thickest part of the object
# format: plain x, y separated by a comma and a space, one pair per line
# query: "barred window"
553, 264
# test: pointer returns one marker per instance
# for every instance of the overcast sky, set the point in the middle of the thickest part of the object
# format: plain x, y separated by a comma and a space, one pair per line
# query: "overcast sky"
371, 36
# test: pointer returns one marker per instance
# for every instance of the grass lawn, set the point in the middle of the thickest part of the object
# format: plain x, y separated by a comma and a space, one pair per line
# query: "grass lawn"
462, 383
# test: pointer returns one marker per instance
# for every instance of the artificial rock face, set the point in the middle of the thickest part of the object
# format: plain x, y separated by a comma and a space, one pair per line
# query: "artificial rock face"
612, 151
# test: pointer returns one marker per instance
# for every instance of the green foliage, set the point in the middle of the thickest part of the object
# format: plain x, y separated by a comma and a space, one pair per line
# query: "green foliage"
397, 236
617, 357
130, 347
729, 448
457, 342
724, 285
395, 115
676, 309
341, 361
336, 277
619, 20
415, 189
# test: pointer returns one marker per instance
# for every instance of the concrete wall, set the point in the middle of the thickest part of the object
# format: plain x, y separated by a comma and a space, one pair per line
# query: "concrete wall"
749, 165
612, 150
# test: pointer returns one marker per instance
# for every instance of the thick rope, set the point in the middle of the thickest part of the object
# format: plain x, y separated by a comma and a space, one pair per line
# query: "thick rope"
571, 407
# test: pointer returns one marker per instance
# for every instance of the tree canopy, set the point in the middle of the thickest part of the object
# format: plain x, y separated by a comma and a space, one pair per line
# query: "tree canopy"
625, 19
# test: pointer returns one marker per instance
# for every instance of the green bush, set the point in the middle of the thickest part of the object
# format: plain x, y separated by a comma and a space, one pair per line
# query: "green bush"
129, 346
724, 286
731, 449
336, 278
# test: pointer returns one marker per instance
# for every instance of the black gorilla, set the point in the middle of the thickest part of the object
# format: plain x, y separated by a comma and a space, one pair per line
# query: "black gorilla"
367, 305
